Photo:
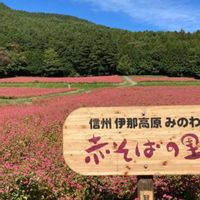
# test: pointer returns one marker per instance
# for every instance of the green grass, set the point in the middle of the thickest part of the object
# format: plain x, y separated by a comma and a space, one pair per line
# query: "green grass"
15, 101
19, 100
168, 83
59, 85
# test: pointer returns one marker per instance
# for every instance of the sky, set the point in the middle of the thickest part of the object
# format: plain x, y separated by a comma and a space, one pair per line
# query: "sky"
133, 15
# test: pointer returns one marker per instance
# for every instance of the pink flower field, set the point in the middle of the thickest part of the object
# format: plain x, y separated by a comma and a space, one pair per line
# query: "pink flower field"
161, 78
31, 158
93, 79
14, 92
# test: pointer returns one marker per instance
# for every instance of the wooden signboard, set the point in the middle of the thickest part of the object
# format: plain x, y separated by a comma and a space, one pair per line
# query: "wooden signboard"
158, 140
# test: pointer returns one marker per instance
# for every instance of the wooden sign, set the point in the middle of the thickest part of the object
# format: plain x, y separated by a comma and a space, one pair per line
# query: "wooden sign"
158, 140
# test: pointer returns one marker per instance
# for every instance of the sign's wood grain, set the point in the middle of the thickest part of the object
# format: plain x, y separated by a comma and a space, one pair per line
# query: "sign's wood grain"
155, 140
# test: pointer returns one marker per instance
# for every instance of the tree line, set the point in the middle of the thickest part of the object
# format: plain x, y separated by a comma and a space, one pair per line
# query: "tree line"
38, 44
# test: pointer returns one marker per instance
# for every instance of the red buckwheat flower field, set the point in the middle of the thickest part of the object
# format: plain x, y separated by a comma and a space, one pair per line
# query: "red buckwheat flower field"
94, 79
28, 92
32, 163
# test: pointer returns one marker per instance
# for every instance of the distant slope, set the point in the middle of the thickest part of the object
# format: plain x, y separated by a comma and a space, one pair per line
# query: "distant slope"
59, 45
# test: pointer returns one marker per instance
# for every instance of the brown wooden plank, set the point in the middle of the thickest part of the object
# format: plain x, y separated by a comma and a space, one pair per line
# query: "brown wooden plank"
78, 137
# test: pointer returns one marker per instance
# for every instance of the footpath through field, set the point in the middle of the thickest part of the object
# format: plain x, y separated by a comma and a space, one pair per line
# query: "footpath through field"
128, 81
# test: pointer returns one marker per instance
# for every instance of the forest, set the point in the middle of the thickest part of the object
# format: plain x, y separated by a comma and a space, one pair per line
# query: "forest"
41, 44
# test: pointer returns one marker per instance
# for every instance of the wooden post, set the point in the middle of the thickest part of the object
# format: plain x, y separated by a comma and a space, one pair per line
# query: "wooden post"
145, 188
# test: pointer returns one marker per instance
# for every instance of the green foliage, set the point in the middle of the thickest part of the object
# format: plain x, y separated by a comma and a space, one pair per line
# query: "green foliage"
38, 44
51, 57
18, 64
27, 188
180, 187
124, 65
51, 62
4, 62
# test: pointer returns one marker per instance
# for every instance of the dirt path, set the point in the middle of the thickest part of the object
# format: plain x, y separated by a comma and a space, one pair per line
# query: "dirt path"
129, 81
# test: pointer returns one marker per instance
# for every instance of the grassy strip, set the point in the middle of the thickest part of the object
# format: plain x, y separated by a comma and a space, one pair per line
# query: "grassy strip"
169, 83
15, 101
39, 95
18, 100
59, 85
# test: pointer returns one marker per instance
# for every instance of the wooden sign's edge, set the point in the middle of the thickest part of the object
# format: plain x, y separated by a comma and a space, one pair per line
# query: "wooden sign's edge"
119, 107
63, 129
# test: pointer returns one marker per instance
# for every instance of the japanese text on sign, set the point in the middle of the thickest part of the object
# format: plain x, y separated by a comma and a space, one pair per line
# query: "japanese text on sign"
143, 122
190, 141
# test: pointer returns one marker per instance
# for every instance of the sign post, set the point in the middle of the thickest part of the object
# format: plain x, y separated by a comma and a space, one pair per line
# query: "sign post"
140, 141
145, 189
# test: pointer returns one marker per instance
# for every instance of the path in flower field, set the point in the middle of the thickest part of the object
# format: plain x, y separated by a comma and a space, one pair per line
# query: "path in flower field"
129, 81
13, 92
31, 146
17, 87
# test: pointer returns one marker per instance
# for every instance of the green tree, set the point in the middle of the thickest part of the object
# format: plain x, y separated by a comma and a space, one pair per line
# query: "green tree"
124, 65
51, 62
18, 64
51, 57
4, 63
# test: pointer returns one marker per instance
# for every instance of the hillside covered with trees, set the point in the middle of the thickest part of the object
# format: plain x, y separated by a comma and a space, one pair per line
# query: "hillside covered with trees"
38, 44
